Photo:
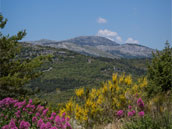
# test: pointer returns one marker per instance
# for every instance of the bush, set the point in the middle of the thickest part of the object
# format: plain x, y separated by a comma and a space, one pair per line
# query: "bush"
24, 115
105, 104
160, 72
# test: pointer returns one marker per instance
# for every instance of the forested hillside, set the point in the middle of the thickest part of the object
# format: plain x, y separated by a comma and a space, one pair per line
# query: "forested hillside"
69, 70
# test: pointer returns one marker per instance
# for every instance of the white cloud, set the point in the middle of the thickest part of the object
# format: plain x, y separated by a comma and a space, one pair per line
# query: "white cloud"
131, 40
118, 38
101, 20
110, 35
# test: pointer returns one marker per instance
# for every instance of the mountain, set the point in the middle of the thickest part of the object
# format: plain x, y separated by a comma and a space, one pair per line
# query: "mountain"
100, 46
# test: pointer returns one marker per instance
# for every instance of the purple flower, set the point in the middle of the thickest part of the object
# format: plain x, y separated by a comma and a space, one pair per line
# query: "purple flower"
7, 102
120, 113
39, 123
134, 112
37, 114
51, 118
34, 119
18, 113
130, 114
140, 103
53, 114
48, 125
30, 101
12, 124
43, 126
53, 128
5, 127
40, 108
45, 112
141, 113
129, 107
68, 125
63, 115
67, 118
24, 125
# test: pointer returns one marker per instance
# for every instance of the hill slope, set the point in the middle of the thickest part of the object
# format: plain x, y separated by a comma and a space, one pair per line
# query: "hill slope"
69, 70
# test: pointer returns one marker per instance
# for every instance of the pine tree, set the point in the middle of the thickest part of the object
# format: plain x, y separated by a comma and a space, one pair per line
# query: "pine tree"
160, 71
14, 71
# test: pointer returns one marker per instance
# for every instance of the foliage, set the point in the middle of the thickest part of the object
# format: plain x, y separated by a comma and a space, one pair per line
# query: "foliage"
105, 104
24, 115
70, 70
160, 72
14, 71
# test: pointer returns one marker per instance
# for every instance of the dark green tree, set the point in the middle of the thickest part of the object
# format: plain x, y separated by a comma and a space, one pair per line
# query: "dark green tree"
160, 71
15, 72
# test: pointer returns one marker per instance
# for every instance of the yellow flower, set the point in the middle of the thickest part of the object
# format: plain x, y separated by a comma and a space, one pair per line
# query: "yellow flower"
128, 80
69, 106
62, 111
115, 101
100, 99
114, 78
79, 92
93, 93
144, 83
105, 89
81, 113
88, 103
122, 97
121, 78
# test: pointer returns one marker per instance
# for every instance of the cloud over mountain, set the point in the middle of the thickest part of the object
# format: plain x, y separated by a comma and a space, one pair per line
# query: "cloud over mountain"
131, 40
110, 35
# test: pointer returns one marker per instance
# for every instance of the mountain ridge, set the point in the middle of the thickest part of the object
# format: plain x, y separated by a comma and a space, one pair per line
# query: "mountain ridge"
99, 46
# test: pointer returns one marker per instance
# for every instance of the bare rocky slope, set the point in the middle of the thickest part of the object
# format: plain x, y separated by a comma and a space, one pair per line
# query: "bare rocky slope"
99, 46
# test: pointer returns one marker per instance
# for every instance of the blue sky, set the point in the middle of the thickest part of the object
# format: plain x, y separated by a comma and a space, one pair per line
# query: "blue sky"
146, 22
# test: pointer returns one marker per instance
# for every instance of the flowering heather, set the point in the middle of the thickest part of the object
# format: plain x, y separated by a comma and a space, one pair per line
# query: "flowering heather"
129, 107
140, 103
120, 113
134, 112
24, 125
130, 114
141, 113
25, 115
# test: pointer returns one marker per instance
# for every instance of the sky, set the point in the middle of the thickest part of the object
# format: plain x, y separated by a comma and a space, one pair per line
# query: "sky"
145, 22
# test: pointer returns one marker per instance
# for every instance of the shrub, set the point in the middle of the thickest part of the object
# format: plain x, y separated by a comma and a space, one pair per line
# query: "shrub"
107, 103
24, 115
160, 72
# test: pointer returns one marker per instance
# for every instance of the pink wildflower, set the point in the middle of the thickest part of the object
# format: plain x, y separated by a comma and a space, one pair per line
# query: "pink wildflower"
134, 112
130, 114
120, 113
141, 113
18, 113
48, 125
54, 127
39, 123
45, 112
37, 114
24, 125
34, 119
140, 103
129, 107
6, 127
30, 101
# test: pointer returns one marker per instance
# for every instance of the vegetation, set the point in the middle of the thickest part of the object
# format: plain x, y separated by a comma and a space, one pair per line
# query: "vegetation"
160, 71
124, 101
24, 115
69, 70
14, 71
